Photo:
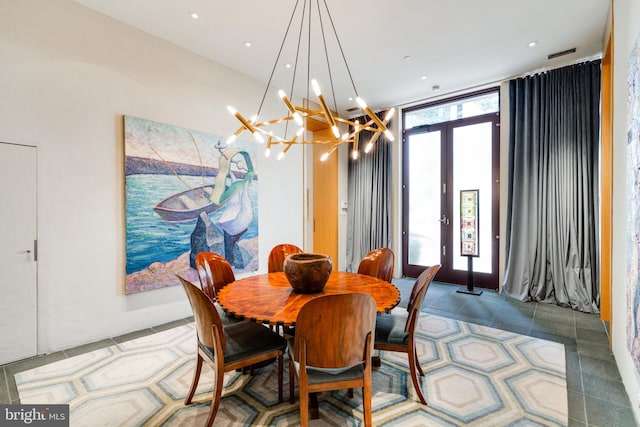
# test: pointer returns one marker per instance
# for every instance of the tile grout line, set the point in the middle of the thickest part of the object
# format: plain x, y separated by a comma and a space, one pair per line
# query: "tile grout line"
584, 398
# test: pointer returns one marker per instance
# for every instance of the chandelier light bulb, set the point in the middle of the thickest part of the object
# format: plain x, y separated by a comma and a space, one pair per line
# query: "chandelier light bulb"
389, 135
280, 155
267, 152
336, 131
316, 87
389, 114
324, 157
231, 139
368, 147
354, 155
361, 103
231, 110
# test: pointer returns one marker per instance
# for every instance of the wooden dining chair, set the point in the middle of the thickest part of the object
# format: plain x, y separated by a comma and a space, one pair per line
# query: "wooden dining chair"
214, 272
332, 348
397, 333
228, 348
278, 254
378, 263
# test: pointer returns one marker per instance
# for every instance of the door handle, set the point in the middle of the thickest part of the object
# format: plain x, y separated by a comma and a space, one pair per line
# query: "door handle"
444, 220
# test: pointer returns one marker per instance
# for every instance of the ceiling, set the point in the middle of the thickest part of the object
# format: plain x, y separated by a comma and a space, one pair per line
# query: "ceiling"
398, 52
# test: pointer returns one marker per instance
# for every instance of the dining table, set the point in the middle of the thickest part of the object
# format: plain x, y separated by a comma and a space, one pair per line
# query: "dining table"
270, 299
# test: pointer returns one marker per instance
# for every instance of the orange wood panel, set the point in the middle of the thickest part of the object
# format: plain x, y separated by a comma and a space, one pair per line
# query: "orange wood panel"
606, 197
269, 298
325, 200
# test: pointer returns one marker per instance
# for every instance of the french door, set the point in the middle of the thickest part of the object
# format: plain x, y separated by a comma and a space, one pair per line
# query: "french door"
440, 161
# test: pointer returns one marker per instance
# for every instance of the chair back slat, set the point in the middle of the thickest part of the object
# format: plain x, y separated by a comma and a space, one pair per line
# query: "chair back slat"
378, 263
278, 254
214, 272
205, 315
334, 329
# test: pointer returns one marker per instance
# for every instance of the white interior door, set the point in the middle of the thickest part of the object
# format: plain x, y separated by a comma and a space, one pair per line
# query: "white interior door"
18, 286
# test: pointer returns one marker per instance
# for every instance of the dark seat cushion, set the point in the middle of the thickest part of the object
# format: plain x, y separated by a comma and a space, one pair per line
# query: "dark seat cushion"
246, 339
390, 330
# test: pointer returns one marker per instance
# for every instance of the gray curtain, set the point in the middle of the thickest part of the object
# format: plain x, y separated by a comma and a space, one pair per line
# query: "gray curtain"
369, 205
552, 214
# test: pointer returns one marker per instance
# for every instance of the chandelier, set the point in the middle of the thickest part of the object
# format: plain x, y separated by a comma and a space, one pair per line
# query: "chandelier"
293, 127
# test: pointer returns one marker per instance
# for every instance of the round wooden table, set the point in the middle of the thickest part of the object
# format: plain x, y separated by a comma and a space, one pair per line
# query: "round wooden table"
268, 298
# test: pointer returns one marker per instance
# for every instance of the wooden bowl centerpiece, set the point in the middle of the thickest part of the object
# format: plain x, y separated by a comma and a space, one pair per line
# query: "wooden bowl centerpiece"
307, 273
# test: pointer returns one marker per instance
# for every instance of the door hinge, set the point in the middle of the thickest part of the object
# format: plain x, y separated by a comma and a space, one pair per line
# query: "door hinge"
444, 251
444, 188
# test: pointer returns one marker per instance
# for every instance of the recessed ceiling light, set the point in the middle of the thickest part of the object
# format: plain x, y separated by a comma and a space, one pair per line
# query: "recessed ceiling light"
423, 78
350, 98
287, 65
194, 15
533, 43
247, 44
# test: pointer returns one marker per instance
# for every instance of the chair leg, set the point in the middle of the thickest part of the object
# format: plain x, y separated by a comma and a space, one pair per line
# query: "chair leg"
304, 404
291, 381
418, 364
366, 402
194, 382
414, 375
375, 361
217, 394
280, 375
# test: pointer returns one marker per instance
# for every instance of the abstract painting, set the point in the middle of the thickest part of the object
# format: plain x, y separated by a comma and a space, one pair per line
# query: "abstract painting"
633, 207
186, 192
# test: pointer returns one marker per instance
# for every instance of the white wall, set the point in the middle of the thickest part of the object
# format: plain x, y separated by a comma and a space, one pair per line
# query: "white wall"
626, 30
67, 76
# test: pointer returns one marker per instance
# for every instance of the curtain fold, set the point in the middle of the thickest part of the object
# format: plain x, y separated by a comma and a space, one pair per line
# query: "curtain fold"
552, 214
369, 194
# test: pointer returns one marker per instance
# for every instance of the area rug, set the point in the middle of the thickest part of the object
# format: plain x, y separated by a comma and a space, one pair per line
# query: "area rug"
474, 375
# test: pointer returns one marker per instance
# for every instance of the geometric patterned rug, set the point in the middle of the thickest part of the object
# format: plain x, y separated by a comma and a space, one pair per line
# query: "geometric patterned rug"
474, 375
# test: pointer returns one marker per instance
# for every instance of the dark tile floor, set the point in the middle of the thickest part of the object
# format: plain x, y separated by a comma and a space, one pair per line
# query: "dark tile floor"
596, 394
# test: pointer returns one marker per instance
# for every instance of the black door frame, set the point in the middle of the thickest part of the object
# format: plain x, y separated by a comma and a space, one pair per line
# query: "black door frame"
447, 273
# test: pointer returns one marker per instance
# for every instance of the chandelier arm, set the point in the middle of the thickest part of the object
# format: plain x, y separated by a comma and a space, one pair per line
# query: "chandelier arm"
340, 46
277, 58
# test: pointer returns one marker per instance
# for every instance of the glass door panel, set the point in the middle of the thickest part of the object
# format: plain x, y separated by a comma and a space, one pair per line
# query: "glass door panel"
424, 198
472, 170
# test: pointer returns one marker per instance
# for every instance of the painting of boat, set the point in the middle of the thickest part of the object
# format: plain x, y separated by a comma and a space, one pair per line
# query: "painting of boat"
186, 205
